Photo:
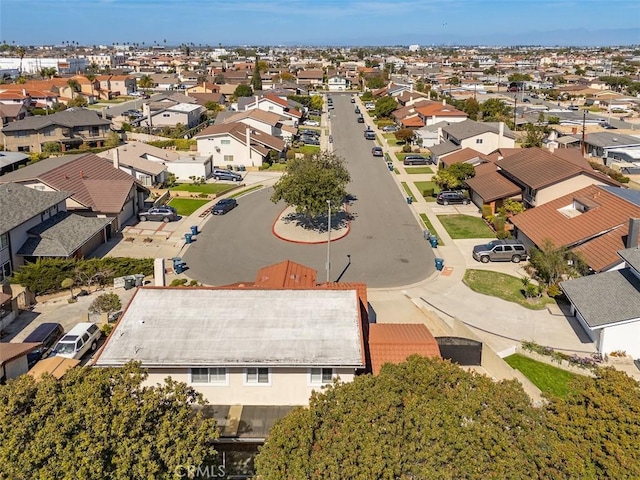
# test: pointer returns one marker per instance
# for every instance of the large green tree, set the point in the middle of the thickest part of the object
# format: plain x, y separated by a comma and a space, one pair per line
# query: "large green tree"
256, 79
98, 423
385, 106
243, 90
425, 418
454, 176
494, 110
310, 181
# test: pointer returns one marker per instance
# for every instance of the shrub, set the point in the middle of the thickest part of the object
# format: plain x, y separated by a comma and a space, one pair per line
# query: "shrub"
406, 148
46, 275
178, 282
554, 290
614, 174
486, 211
428, 192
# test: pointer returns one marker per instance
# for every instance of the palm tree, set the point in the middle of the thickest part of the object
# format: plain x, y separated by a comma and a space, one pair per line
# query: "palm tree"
20, 51
146, 82
74, 85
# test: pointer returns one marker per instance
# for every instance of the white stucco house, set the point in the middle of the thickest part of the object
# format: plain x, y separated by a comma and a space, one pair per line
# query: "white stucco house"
185, 167
187, 114
338, 83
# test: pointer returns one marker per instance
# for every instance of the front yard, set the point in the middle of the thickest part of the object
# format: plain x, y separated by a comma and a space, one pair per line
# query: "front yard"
207, 188
501, 285
427, 185
549, 379
465, 226
186, 206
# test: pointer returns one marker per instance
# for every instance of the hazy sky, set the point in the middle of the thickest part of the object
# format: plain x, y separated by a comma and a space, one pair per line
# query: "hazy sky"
322, 22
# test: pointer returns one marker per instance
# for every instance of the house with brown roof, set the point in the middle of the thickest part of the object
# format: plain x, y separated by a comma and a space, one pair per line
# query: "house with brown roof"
70, 129
97, 188
13, 359
131, 159
237, 144
267, 122
310, 77
395, 342
592, 222
439, 112
274, 104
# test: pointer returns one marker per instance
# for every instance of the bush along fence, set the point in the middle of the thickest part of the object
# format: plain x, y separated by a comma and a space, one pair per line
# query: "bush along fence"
590, 362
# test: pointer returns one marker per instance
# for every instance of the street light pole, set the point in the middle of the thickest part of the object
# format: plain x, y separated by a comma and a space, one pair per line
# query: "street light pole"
328, 240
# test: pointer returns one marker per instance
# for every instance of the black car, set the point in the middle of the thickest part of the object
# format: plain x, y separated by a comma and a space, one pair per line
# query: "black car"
223, 206
415, 160
47, 335
163, 213
353, 100
449, 197
310, 140
360, 119
310, 132
357, 110
222, 174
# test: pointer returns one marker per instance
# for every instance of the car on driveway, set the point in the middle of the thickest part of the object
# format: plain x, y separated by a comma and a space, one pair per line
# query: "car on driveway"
222, 174
370, 106
311, 123
163, 213
224, 205
415, 160
450, 197
377, 152
310, 140
390, 128
500, 251
310, 132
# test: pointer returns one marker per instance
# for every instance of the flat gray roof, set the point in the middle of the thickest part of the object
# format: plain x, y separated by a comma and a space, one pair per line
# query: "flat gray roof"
189, 327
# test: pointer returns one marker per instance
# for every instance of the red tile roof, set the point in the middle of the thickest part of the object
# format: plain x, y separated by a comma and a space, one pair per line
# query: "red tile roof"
286, 274
394, 343
414, 121
608, 212
439, 110
601, 252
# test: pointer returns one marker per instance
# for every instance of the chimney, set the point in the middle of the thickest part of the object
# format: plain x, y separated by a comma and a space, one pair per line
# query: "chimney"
256, 101
104, 113
632, 236
248, 140
24, 92
444, 102
116, 158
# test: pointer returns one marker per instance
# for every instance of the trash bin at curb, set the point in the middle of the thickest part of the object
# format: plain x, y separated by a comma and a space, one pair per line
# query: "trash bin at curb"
176, 261
139, 279
426, 234
409, 200
439, 264
178, 267
194, 230
188, 238
129, 283
434, 241
390, 166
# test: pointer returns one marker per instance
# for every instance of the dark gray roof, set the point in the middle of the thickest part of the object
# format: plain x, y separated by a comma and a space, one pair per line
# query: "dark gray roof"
72, 117
605, 298
631, 196
609, 139
35, 170
443, 148
62, 235
19, 204
471, 128
632, 257
9, 158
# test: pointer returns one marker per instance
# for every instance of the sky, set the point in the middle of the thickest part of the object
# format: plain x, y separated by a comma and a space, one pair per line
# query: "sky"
322, 22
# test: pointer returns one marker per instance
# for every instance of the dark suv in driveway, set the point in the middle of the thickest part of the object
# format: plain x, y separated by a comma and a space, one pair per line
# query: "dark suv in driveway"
500, 251
221, 174
449, 197
164, 213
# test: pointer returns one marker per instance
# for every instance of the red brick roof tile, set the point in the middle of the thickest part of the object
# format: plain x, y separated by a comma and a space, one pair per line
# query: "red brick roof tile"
394, 343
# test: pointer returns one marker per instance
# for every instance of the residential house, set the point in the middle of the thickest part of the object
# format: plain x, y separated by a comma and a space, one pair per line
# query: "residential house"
607, 305
186, 167
13, 359
42, 227
338, 83
203, 99
187, 114
267, 122
10, 161
466, 155
395, 342
130, 158
115, 85
202, 88
237, 144
12, 113
310, 77
97, 188
435, 112
484, 137
593, 222
70, 129
600, 143
274, 104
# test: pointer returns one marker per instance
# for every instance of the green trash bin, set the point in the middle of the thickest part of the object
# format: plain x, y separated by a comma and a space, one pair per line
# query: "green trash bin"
129, 283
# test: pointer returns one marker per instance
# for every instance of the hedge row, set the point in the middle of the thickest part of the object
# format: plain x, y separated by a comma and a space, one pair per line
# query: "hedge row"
616, 175
179, 143
46, 275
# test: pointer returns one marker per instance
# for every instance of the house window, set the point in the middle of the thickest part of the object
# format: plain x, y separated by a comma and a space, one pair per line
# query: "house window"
95, 131
48, 133
270, 108
228, 158
217, 376
478, 140
24, 149
320, 376
166, 115
4, 241
257, 376
5, 271
225, 142
22, 133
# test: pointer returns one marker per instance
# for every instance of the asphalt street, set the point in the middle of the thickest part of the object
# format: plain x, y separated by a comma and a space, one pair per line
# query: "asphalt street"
385, 247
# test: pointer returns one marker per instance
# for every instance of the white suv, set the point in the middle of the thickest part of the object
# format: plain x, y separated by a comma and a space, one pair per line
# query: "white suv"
80, 339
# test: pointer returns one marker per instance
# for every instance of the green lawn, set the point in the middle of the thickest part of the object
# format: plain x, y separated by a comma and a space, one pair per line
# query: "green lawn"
429, 226
466, 226
422, 186
418, 170
501, 285
547, 378
186, 206
208, 188
407, 190
391, 139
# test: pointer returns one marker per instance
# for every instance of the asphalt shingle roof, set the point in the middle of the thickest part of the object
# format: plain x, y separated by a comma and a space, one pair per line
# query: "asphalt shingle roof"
471, 128
19, 204
61, 235
492, 186
71, 117
605, 298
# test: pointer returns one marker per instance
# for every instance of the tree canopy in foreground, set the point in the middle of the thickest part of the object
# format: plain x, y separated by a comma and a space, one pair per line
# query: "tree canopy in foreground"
430, 419
310, 181
98, 423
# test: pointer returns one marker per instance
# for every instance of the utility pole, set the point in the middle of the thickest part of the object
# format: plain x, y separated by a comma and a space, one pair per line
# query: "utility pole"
584, 127
515, 108
328, 240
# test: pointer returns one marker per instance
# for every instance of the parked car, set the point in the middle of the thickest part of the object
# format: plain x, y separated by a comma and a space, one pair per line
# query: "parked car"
315, 113
224, 205
390, 128
369, 134
310, 139
608, 126
310, 132
163, 213
377, 152
360, 119
353, 100
448, 197
46, 334
414, 159
222, 174
80, 339
500, 251
370, 106
311, 123
357, 110
573, 108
